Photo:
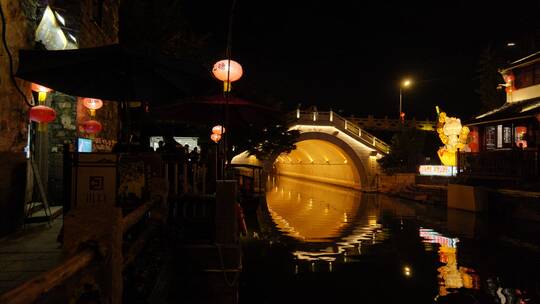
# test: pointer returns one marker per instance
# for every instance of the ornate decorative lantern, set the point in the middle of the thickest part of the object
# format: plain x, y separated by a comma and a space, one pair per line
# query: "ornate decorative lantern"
218, 130
227, 71
92, 127
509, 82
215, 137
92, 104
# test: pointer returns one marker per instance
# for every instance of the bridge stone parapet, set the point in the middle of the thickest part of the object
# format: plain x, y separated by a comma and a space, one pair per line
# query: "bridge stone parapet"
388, 124
330, 118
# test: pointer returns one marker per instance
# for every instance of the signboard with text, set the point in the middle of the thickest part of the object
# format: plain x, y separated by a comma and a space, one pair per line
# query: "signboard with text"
433, 170
94, 179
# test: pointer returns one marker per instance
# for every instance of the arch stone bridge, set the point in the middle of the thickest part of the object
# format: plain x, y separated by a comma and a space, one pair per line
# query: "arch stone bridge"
330, 149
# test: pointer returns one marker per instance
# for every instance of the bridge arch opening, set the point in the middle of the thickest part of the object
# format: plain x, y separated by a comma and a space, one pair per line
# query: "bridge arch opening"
322, 158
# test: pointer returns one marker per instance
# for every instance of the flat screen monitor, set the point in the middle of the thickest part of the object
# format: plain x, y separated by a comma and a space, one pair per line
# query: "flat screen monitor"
84, 145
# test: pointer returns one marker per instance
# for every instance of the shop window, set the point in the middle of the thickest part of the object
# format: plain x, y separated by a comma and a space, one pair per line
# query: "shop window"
491, 138
499, 136
507, 137
520, 137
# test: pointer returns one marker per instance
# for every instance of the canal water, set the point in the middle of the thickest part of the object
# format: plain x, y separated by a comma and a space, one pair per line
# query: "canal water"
325, 244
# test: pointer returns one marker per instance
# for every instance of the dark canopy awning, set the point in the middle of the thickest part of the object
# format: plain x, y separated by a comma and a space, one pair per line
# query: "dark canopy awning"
210, 110
509, 111
116, 73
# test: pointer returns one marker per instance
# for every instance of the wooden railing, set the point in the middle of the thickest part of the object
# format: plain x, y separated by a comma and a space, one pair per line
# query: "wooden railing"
511, 165
34, 289
184, 177
330, 118
250, 179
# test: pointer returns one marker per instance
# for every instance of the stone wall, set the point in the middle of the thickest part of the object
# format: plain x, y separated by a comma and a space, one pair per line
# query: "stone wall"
63, 130
395, 182
20, 24
98, 23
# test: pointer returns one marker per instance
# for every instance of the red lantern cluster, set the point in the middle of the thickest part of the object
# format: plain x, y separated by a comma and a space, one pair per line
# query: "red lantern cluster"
92, 127
42, 115
509, 80
218, 130
215, 137
92, 104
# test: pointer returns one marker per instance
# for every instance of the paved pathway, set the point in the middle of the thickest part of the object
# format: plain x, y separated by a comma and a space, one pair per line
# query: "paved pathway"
29, 252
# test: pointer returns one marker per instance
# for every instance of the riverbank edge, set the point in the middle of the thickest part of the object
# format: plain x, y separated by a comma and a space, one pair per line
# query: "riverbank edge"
500, 202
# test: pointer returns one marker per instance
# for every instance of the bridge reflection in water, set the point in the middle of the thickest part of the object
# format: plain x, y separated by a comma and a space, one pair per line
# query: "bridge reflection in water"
341, 239
329, 220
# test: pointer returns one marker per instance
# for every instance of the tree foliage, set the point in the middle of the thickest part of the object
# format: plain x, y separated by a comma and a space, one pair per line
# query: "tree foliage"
408, 148
269, 142
488, 76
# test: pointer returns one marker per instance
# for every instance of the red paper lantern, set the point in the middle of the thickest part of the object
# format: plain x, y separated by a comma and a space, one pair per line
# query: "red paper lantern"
227, 71
218, 130
92, 127
509, 79
92, 104
42, 115
215, 137
42, 92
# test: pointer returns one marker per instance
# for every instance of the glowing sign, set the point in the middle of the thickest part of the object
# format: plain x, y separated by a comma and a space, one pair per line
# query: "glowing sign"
431, 236
430, 170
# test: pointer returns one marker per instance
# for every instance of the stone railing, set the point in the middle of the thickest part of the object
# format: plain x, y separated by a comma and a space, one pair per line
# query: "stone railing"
330, 118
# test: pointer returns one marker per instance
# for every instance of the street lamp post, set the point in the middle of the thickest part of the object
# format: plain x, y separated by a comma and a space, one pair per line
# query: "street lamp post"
404, 84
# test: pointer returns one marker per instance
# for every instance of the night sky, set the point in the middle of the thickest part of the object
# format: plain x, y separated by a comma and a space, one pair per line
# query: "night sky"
351, 55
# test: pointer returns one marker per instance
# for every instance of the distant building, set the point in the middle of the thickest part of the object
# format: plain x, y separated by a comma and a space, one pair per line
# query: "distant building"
504, 142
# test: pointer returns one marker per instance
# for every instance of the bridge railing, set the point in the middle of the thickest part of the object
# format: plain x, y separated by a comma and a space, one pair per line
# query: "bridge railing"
330, 118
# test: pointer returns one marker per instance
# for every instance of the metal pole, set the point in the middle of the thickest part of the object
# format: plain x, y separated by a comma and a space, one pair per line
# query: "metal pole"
216, 166
400, 102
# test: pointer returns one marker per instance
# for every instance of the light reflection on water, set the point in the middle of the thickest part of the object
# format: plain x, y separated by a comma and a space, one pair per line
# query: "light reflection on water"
335, 226
324, 217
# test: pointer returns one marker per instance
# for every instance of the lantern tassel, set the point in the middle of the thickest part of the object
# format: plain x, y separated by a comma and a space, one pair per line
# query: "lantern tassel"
42, 127
92, 112
42, 96
226, 86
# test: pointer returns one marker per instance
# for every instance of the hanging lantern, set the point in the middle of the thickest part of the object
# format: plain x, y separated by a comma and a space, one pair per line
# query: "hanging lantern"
218, 130
92, 104
42, 92
215, 137
42, 115
92, 127
227, 71
509, 80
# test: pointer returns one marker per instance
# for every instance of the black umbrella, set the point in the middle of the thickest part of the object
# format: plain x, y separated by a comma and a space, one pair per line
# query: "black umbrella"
115, 73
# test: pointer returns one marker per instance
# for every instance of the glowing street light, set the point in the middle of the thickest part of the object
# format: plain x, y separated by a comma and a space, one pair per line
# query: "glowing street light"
404, 84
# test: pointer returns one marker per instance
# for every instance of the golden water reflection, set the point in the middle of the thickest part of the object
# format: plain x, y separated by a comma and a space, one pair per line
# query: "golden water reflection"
311, 212
451, 276
329, 220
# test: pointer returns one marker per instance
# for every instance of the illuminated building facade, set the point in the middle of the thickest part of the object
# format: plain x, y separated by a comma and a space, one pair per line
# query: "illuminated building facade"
504, 142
